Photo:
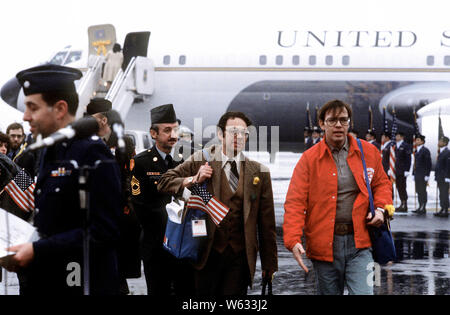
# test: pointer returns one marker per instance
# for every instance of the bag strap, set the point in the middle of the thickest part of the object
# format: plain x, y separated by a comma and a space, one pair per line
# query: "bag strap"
372, 210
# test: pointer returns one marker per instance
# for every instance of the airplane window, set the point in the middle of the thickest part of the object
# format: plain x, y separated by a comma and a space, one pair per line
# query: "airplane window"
263, 60
447, 60
166, 59
279, 60
430, 60
182, 60
312, 60
73, 56
58, 58
146, 142
345, 60
296, 60
329, 60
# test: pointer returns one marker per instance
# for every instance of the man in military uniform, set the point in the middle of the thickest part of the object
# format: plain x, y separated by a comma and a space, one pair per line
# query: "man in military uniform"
442, 176
307, 136
53, 265
402, 165
421, 172
130, 230
162, 270
371, 137
315, 135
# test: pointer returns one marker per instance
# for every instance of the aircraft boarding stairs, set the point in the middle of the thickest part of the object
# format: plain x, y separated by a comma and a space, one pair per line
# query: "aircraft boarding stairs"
136, 82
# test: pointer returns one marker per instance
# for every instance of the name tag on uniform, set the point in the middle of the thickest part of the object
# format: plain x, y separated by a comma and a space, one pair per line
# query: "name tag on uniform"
153, 173
199, 228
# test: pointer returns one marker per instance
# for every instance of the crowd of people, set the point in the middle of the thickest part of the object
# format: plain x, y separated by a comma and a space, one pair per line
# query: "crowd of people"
326, 204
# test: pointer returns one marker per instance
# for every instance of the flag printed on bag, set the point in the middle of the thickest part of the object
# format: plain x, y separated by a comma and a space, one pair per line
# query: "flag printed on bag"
370, 172
203, 200
21, 189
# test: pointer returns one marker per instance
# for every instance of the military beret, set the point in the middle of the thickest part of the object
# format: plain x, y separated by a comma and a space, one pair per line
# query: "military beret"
163, 114
48, 78
98, 105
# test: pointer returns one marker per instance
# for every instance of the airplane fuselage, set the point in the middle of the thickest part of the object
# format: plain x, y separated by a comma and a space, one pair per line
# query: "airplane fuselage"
274, 76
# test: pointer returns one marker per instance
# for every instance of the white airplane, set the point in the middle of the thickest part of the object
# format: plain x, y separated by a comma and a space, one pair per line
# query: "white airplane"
274, 76
10, 115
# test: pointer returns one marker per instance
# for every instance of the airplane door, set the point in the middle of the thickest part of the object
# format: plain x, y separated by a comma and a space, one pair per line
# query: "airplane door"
136, 44
101, 38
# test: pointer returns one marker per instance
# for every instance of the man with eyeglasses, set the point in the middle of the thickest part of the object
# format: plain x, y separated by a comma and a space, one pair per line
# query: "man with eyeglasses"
227, 264
162, 271
327, 202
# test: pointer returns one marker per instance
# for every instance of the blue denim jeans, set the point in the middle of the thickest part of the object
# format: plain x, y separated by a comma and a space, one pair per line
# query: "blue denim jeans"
351, 266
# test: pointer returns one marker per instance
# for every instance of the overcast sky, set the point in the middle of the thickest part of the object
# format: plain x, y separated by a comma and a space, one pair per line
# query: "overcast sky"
31, 30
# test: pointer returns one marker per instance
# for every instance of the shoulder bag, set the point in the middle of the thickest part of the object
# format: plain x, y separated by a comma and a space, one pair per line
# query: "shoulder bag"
383, 248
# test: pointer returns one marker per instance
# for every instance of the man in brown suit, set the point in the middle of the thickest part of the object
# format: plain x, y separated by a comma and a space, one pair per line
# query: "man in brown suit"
227, 264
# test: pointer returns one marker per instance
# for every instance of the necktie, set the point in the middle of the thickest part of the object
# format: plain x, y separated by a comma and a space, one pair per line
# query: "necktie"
234, 176
168, 161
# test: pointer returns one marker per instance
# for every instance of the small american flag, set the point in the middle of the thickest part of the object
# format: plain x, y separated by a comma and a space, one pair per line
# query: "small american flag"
21, 189
202, 199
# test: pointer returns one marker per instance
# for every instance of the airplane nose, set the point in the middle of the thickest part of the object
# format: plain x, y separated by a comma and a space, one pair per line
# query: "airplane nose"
10, 92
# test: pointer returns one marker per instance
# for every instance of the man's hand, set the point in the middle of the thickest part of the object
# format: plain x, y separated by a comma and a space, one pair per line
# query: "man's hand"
204, 172
377, 221
23, 257
298, 251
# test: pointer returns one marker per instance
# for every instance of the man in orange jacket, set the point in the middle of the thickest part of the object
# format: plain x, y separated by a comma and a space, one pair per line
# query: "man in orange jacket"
328, 201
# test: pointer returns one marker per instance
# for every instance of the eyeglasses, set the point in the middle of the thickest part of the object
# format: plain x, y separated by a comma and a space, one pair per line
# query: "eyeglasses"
333, 121
237, 132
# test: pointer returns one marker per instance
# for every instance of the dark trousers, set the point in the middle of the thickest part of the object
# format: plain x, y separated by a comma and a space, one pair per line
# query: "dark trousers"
225, 273
421, 189
443, 194
166, 275
400, 181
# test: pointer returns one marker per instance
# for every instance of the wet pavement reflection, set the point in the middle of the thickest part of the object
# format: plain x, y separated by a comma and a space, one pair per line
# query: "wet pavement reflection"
423, 267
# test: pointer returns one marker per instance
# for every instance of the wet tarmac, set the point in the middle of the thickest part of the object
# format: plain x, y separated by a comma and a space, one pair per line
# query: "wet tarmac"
422, 268
422, 242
